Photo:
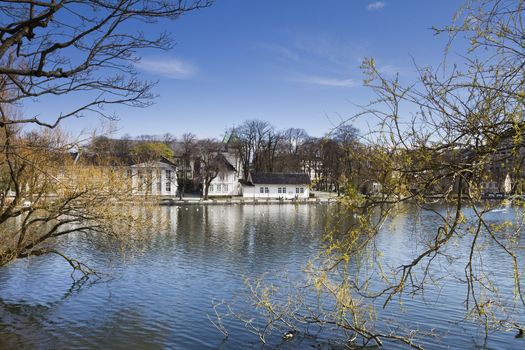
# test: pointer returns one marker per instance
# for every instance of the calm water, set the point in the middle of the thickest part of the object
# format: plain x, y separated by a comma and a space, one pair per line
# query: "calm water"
159, 294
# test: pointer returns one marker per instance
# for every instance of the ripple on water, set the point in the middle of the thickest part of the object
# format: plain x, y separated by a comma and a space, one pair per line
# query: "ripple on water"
159, 296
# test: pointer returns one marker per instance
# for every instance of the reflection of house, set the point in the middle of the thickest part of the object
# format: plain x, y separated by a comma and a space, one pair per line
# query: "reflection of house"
158, 178
277, 185
226, 183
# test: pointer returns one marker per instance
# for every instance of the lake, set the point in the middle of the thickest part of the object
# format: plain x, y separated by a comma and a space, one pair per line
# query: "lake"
159, 292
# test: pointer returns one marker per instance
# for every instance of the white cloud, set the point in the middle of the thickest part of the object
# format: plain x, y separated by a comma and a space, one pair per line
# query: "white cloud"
172, 68
325, 81
282, 51
390, 69
377, 5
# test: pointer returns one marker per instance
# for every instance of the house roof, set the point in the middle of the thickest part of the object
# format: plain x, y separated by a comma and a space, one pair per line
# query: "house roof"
161, 160
227, 164
280, 178
166, 161
230, 136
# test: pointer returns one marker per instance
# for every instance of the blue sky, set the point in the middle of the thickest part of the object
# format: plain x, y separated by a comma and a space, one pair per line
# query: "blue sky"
294, 63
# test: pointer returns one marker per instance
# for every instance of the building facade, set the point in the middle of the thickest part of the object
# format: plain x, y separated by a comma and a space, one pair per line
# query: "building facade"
226, 183
156, 178
277, 186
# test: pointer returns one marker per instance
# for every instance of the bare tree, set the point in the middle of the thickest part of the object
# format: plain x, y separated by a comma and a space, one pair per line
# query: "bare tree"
466, 121
58, 50
188, 151
253, 136
81, 48
211, 162
268, 152
467, 124
294, 138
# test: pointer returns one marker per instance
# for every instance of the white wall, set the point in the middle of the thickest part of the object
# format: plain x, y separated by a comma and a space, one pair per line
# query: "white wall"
273, 191
225, 184
153, 178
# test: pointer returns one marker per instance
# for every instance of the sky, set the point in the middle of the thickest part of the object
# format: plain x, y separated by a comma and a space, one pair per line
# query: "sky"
293, 63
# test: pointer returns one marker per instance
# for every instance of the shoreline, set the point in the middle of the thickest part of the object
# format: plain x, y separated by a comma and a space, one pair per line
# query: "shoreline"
223, 201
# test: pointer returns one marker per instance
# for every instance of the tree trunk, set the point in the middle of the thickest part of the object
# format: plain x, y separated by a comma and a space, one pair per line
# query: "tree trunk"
206, 188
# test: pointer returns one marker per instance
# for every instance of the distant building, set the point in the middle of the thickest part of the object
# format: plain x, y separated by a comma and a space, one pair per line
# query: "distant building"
505, 168
277, 185
231, 153
226, 183
187, 165
156, 178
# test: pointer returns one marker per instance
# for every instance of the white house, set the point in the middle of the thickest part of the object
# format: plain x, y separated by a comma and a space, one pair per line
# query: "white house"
227, 181
157, 178
277, 185
231, 153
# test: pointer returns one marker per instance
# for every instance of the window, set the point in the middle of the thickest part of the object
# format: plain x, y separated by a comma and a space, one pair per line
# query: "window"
168, 186
211, 188
284, 189
140, 181
301, 190
168, 174
279, 190
297, 190
159, 187
225, 188
261, 189
266, 190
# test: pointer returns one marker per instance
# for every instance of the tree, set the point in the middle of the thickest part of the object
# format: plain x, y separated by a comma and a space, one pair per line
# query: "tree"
106, 146
253, 136
294, 139
288, 147
464, 120
349, 148
150, 151
211, 162
54, 194
266, 155
60, 50
331, 165
310, 157
466, 126
188, 150
82, 48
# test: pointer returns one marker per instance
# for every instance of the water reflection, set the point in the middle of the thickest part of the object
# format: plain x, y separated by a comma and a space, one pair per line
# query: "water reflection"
157, 293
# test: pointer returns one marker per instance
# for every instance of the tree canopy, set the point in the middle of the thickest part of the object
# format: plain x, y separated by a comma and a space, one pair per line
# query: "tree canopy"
150, 151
